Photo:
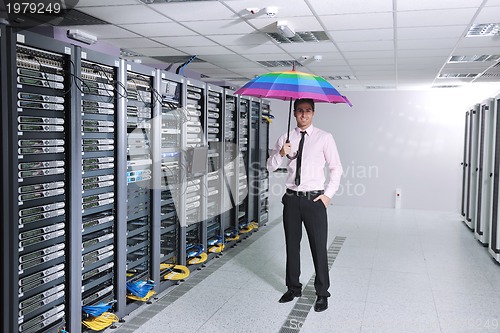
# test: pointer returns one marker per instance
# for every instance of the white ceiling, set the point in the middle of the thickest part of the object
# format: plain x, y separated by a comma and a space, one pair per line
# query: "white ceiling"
398, 44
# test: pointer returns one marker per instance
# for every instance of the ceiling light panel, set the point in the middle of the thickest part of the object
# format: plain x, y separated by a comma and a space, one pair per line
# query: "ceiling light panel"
484, 30
280, 63
474, 58
457, 75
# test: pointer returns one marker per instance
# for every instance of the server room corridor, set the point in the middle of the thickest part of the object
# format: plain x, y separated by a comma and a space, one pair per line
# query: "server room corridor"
393, 271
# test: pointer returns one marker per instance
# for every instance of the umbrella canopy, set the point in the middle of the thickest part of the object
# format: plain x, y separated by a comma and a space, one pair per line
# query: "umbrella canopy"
290, 85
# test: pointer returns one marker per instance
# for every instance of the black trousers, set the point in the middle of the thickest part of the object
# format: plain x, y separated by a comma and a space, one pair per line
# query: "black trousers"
295, 211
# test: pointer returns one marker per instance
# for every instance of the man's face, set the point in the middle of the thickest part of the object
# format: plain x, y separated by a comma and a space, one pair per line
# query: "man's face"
303, 114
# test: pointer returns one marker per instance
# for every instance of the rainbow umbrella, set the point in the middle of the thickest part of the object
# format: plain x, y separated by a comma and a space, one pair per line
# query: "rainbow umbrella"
290, 85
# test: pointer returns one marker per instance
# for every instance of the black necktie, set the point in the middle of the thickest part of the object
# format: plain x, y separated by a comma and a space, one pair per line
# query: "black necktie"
299, 158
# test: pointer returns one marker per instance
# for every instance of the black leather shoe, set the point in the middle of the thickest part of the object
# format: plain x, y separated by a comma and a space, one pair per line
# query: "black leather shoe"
321, 304
289, 296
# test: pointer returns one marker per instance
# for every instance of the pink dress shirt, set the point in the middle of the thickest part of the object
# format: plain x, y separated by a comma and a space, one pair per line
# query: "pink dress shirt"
319, 149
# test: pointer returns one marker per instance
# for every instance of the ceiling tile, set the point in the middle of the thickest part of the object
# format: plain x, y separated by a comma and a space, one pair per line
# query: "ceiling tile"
362, 35
174, 41
157, 51
366, 46
369, 61
252, 49
433, 4
225, 58
456, 31
186, 11
103, 31
480, 42
358, 21
431, 61
268, 56
322, 7
476, 50
159, 29
431, 18
132, 42
493, 3
423, 53
220, 27
438, 43
256, 38
488, 15
125, 14
371, 54
309, 48
204, 50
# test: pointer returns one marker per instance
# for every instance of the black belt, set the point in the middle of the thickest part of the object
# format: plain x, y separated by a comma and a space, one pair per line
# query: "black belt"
309, 194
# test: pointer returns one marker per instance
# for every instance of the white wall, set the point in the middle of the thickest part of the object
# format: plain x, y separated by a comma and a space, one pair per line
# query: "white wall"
411, 140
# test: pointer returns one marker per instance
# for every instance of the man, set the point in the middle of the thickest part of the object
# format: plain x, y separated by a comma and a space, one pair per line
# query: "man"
306, 198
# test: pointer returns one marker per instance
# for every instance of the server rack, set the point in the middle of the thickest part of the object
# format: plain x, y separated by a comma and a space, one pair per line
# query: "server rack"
473, 167
215, 140
172, 120
263, 199
465, 168
42, 132
141, 210
4, 199
231, 165
254, 161
494, 239
194, 190
244, 162
485, 172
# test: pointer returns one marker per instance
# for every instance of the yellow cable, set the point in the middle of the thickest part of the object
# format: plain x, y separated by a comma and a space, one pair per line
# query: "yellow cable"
144, 299
198, 259
218, 248
235, 238
246, 229
179, 272
100, 322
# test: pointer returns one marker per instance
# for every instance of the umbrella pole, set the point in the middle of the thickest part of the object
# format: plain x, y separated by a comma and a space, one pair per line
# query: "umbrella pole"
289, 117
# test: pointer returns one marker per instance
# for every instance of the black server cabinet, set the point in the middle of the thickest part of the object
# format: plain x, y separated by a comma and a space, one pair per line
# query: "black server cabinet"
244, 167
195, 163
254, 161
231, 162
4, 199
42, 182
214, 190
172, 118
103, 181
141, 97
263, 200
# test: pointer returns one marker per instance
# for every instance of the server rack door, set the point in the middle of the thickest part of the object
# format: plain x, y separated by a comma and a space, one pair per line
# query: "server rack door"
101, 184
215, 140
465, 166
195, 161
172, 119
244, 162
263, 155
231, 153
473, 170
480, 161
42, 133
494, 241
483, 221
254, 163
140, 208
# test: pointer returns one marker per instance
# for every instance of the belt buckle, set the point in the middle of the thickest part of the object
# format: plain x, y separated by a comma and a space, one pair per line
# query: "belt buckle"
301, 194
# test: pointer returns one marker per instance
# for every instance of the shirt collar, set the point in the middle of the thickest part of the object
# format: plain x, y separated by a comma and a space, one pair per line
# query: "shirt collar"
308, 130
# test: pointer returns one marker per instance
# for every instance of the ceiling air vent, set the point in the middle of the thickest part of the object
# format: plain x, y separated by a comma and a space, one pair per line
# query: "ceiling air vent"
300, 37
340, 77
474, 58
280, 63
129, 53
484, 30
457, 76
380, 87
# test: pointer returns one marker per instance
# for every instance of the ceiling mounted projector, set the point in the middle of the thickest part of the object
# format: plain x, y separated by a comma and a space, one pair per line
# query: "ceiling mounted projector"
285, 28
81, 36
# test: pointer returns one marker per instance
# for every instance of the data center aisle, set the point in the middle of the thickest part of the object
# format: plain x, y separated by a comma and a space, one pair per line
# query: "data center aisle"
396, 271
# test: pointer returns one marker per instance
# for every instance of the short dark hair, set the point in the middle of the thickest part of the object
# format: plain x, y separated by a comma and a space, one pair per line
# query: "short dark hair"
303, 100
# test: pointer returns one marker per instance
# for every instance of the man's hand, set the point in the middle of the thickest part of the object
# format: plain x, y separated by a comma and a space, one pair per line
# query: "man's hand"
286, 149
324, 198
